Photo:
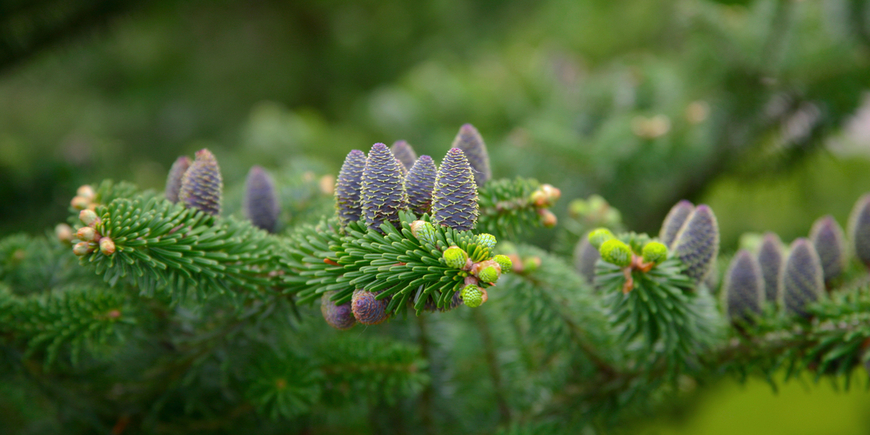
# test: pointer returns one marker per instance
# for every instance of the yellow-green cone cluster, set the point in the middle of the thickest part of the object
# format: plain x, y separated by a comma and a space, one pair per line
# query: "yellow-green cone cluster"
454, 200
173, 180
654, 252
260, 203
616, 252
419, 183
472, 296
599, 236
382, 193
471, 143
201, 185
455, 257
743, 287
347, 188
505, 262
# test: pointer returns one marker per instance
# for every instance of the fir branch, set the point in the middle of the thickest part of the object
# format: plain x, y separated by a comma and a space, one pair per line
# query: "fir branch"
508, 207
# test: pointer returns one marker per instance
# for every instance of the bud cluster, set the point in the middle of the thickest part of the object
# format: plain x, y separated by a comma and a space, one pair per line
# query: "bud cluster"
85, 198
481, 269
87, 238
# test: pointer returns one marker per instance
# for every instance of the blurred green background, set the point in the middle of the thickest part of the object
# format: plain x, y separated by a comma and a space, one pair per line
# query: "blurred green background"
758, 108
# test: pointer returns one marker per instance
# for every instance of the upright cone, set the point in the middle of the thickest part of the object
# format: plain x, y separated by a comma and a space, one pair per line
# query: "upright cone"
697, 243
830, 242
383, 193
201, 186
419, 183
859, 229
471, 143
770, 258
802, 280
454, 199
674, 221
743, 287
404, 154
348, 186
261, 200
173, 180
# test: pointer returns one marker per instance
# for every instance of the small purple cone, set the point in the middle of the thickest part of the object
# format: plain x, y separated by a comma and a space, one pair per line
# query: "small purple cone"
859, 229
771, 261
338, 316
404, 154
383, 193
830, 243
261, 201
585, 257
697, 243
368, 310
802, 278
471, 143
173, 181
454, 200
674, 221
202, 185
348, 186
419, 183
744, 286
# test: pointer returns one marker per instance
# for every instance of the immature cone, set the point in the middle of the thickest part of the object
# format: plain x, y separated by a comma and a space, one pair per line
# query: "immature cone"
616, 252
489, 272
771, 260
859, 229
338, 316
383, 188
585, 256
802, 279
744, 286
368, 310
674, 221
261, 200
173, 180
107, 246
455, 257
472, 296
201, 185
88, 216
697, 243
348, 186
504, 262
454, 200
599, 236
82, 248
830, 242
419, 183
424, 231
404, 154
469, 141
654, 252
87, 234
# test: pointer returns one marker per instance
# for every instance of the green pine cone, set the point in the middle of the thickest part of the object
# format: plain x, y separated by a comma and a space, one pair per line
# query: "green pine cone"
454, 200
697, 243
419, 183
504, 262
859, 229
471, 143
599, 236
802, 279
173, 181
655, 252
201, 185
674, 221
489, 273
260, 203
455, 257
616, 252
485, 243
338, 316
383, 188
367, 309
404, 154
744, 286
830, 243
471, 296
585, 257
771, 261
348, 186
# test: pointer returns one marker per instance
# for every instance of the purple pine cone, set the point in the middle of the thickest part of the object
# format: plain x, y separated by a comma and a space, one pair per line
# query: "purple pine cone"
348, 186
471, 143
697, 243
744, 286
585, 256
173, 181
674, 221
859, 229
830, 243
419, 183
770, 259
337, 316
404, 154
261, 201
383, 188
454, 200
802, 278
367, 309
201, 185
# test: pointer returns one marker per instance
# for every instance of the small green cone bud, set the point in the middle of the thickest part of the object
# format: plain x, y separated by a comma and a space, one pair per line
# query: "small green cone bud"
87, 234
655, 252
80, 203
744, 286
202, 185
455, 257
489, 273
368, 310
802, 278
383, 188
404, 154
485, 244
674, 221
697, 243
770, 258
859, 229
64, 233
87, 192
107, 246
471, 143
454, 199
830, 242
173, 180
88, 216
82, 248
338, 316
599, 236
420, 182
424, 231
348, 186
616, 252
261, 200
504, 262
472, 296
585, 257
